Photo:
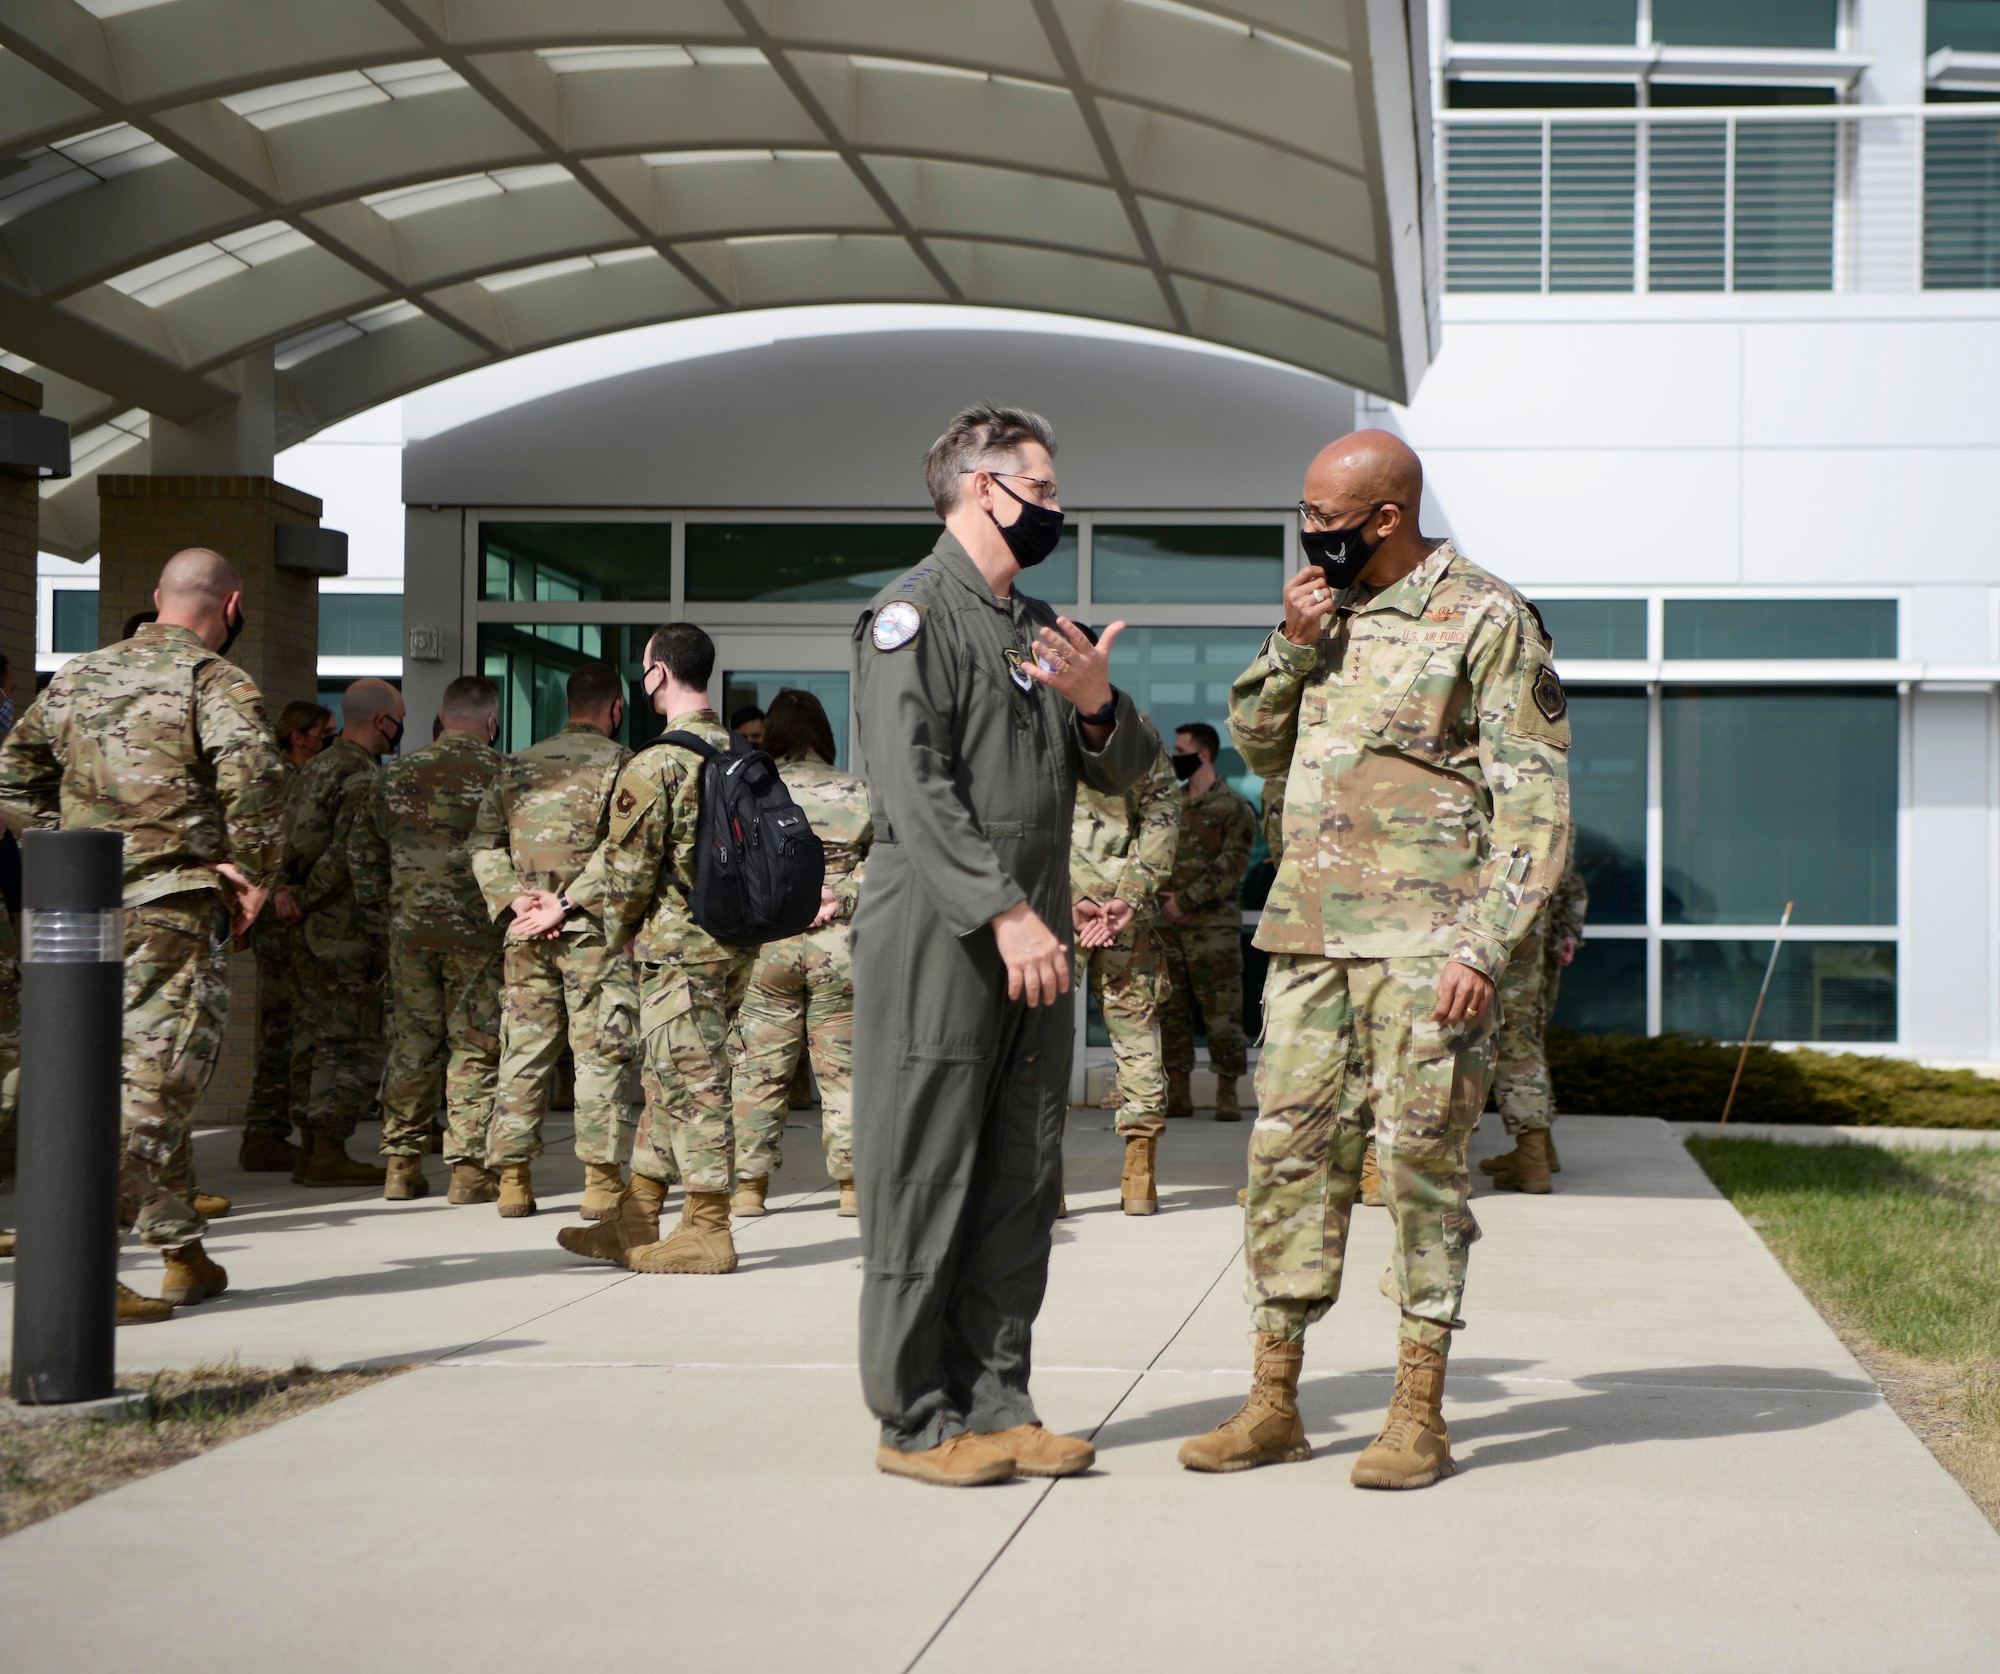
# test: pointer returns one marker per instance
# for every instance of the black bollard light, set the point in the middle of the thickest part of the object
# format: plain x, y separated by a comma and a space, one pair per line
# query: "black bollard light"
66, 1188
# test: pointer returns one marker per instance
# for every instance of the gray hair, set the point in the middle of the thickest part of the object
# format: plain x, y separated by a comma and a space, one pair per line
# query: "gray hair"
978, 439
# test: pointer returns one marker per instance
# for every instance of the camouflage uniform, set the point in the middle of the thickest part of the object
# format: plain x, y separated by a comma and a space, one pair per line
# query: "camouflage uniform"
802, 990
1527, 999
1204, 955
1122, 848
545, 813
337, 992
1426, 819
162, 741
10, 1017
1271, 817
279, 947
689, 984
411, 869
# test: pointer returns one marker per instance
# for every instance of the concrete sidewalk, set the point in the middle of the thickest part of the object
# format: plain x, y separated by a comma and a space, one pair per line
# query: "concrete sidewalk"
1666, 1460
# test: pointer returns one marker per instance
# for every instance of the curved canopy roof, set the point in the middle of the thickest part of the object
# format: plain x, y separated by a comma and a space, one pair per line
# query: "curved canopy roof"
386, 193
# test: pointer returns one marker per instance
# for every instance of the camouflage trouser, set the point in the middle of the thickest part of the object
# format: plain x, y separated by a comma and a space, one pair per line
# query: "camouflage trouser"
10, 1019
801, 994
1520, 1067
1204, 964
1349, 1044
1552, 981
337, 1047
176, 1003
1130, 981
278, 947
684, 1017
579, 990
443, 1038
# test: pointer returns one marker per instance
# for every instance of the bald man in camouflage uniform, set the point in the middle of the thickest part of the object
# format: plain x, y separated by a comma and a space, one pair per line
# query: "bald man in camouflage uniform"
541, 820
338, 1049
689, 984
800, 1002
1426, 819
1121, 856
160, 739
443, 1018
1521, 1086
1201, 928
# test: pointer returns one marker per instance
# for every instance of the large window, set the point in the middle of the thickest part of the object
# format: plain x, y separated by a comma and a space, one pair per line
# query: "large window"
1546, 22
759, 686
570, 563
360, 624
1607, 787
531, 664
75, 626
1753, 629
1612, 630
817, 563
1827, 991
1155, 563
1759, 23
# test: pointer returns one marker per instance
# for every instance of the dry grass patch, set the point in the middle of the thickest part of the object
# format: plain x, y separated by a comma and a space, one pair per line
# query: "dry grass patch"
1900, 1251
49, 1464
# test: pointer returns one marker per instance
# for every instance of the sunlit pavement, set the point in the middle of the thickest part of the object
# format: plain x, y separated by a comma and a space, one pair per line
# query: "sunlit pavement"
1666, 1459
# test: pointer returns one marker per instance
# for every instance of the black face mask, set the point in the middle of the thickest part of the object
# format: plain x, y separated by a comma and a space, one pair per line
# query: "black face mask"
1341, 554
233, 629
1186, 767
383, 727
1032, 536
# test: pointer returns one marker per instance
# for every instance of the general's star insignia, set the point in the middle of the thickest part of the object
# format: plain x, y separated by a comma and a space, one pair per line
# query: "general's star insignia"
896, 624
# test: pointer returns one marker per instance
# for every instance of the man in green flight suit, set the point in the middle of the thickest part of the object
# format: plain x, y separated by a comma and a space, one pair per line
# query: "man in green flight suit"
977, 709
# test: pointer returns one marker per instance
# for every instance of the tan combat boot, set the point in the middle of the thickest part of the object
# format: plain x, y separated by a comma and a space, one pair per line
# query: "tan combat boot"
1226, 1107
1180, 1102
1413, 1450
308, 1142
850, 1206
965, 1461
1266, 1429
266, 1153
517, 1191
1138, 1190
1555, 1165
332, 1166
134, 1309
1527, 1165
210, 1206
191, 1277
406, 1180
1039, 1452
1370, 1186
633, 1223
472, 1184
748, 1203
6, 1244
700, 1244
603, 1185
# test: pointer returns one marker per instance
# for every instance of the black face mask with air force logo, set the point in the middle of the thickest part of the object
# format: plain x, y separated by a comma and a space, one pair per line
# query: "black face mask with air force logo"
1341, 554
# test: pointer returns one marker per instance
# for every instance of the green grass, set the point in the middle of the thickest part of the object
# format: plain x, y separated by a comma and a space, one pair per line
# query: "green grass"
1686, 1080
1901, 1244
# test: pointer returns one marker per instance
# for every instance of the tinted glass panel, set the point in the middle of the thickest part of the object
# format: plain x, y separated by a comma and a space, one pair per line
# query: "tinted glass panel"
1764, 23
1607, 787
1585, 22
1826, 991
759, 686
531, 666
1596, 628
75, 624
1187, 564
1780, 796
1604, 991
1541, 95
1708, 629
361, 624
1969, 25
798, 563
1962, 201
562, 562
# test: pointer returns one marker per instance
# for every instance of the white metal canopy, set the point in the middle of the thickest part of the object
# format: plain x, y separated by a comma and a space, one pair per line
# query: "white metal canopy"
388, 192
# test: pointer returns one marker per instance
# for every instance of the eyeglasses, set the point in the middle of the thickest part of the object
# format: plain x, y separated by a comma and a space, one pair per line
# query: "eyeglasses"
1313, 517
1044, 489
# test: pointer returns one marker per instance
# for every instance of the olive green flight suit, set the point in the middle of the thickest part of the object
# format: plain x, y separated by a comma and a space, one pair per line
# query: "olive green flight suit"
960, 1093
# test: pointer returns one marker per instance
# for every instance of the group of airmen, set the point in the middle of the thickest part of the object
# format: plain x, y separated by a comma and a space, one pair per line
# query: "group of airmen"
433, 930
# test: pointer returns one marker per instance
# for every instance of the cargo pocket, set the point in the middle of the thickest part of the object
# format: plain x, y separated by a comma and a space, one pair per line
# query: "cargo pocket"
616, 1034
663, 1002
1022, 1154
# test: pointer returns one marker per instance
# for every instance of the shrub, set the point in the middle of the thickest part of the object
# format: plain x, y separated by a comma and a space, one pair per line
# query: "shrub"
1685, 1079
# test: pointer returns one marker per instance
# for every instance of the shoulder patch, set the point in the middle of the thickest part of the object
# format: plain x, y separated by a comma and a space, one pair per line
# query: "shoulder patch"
1550, 698
625, 801
896, 624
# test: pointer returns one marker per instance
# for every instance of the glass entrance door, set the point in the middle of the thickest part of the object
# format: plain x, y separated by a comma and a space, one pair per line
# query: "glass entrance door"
752, 668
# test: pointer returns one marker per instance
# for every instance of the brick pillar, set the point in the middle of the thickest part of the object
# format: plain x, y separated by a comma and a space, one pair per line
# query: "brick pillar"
142, 522
20, 527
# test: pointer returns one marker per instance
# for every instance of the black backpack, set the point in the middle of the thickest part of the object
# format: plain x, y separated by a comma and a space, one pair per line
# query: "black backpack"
758, 863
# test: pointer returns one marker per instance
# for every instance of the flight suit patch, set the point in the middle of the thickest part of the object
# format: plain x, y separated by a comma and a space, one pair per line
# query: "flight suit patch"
1017, 670
896, 624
